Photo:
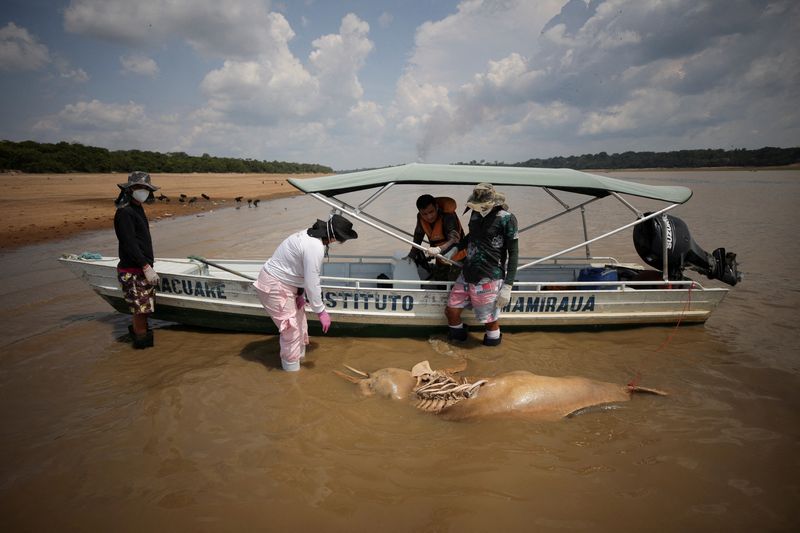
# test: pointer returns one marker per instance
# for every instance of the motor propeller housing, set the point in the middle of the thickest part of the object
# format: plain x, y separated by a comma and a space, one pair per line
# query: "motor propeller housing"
682, 251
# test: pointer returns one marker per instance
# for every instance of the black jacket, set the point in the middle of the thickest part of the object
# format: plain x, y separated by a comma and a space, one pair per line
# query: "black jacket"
133, 234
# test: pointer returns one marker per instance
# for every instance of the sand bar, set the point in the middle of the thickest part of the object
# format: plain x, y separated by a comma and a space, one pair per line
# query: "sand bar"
41, 207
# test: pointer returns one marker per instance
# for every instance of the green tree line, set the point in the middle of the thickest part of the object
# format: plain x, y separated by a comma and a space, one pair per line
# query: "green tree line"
739, 157
63, 157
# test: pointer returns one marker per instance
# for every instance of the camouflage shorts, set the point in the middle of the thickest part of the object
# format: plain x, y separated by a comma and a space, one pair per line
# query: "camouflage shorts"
139, 294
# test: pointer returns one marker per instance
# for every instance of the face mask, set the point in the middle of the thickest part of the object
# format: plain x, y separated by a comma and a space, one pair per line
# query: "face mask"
140, 195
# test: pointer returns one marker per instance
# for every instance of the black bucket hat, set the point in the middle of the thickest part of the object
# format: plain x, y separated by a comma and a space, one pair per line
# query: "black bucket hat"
138, 178
338, 226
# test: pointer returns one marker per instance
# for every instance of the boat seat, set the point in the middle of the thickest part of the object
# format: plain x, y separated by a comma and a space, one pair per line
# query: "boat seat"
404, 270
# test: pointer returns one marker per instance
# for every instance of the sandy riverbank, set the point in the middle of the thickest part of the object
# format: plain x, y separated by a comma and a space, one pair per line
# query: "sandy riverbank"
42, 207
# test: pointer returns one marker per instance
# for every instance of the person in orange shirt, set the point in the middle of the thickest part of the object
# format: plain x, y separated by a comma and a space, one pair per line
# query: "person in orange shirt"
438, 222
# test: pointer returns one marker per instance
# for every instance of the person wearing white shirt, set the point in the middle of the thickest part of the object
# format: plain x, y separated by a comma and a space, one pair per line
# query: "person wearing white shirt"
290, 279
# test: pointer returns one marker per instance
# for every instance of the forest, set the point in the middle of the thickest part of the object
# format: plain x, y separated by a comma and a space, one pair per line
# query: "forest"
63, 157
739, 157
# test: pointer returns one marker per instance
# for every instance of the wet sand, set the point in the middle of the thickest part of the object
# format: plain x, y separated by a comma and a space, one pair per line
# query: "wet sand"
44, 207
204, 433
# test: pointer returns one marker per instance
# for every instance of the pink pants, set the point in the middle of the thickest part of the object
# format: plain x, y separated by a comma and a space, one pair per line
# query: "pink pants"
279, 301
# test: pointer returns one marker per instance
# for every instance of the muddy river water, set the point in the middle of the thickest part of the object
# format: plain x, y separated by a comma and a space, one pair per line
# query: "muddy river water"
203, 432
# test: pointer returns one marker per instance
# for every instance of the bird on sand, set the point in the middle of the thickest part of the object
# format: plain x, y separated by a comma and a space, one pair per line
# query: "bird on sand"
249, 202
255, 202
238, 199
183, 196
193, 199
205, 196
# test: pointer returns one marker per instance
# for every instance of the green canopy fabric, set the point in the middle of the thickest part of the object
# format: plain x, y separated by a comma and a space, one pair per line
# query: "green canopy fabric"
563, 179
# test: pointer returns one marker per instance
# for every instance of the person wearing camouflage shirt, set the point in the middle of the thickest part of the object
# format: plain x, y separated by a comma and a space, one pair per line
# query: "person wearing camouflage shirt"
489, 268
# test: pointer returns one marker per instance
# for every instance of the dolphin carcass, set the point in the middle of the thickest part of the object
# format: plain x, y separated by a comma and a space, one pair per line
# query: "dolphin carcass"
512, 394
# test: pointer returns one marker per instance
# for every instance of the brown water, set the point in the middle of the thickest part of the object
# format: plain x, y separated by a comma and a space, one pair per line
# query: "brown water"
202, 433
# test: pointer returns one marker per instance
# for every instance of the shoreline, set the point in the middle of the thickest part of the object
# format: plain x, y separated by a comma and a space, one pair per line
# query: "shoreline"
38, 208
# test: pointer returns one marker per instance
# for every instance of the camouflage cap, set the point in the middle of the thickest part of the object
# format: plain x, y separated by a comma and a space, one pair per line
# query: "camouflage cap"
484, 197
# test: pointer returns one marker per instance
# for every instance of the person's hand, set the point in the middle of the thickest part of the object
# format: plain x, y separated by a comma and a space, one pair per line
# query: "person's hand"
504, 296
432, 251
300, 301
150, 275
325, 320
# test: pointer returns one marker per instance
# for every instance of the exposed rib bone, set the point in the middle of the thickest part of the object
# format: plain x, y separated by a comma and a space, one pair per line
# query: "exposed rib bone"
356, 371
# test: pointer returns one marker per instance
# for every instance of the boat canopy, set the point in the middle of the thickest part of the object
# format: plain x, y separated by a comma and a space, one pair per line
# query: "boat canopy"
563, 179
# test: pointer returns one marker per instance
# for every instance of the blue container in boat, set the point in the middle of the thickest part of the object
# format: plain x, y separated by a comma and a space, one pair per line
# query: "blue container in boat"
598, 274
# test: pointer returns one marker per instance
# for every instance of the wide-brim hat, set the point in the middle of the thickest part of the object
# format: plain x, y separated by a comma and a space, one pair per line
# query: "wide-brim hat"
484, 197
138, 178
342, 228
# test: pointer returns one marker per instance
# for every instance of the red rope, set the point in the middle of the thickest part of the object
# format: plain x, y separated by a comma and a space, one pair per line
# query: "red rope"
632, 384
680, 318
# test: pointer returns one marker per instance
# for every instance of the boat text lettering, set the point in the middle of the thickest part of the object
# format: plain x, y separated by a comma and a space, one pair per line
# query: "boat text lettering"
550, 304
362, 300
190, 288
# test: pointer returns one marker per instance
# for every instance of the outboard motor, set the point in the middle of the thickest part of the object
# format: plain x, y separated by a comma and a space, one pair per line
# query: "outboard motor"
682, 251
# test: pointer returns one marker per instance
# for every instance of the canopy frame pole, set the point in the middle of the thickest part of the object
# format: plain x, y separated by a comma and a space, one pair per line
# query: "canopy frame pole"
627, 204
557, 215
374, 196
585, 232
368, 215
556, 198
613, 232
349, 210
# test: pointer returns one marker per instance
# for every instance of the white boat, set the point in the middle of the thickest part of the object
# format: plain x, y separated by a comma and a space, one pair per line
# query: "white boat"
381, 295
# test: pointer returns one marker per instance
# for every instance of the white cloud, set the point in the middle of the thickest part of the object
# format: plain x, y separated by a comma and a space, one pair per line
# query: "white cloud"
496, 79
97, 115
257, 92
67, 72
367, 117
615, 71
452, 50
233, 28
277, 87
139, 65
121, 126
645, 108
385, 20
77, 75
337, 58
19, 50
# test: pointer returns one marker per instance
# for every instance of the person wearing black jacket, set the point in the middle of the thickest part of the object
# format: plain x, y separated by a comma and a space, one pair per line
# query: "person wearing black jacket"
490, 267
135, 268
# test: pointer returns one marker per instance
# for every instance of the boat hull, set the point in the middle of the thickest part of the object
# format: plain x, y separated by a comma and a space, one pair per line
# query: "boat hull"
196, 295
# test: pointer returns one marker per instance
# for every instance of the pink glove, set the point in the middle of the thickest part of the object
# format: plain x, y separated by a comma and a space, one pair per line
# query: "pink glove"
325, 320
300, 301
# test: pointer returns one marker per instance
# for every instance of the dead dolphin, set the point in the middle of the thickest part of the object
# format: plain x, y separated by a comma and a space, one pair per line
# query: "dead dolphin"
513, 394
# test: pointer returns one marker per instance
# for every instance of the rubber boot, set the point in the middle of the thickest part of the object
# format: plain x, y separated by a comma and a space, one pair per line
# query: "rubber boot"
292, 366
140, 342
492, 342
457, 334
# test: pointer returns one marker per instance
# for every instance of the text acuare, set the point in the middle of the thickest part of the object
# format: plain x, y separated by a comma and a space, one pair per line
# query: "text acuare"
188, 287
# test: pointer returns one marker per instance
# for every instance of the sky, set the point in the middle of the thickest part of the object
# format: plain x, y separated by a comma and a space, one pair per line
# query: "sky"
365, 83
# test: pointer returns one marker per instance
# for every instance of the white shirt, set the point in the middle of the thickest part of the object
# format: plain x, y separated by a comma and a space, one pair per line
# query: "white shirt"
297, 262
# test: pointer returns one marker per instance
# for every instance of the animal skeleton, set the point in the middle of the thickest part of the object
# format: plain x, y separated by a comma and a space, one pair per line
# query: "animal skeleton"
438, 389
